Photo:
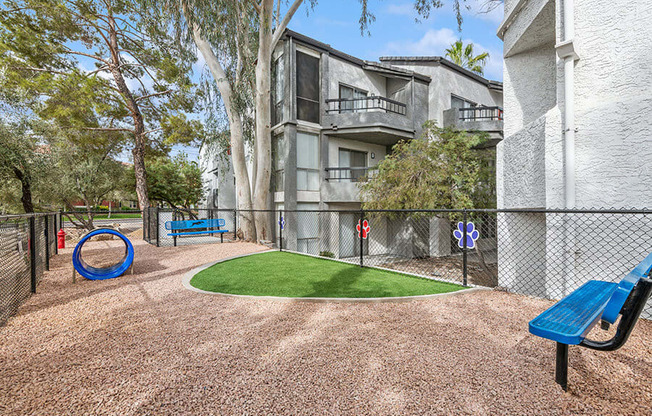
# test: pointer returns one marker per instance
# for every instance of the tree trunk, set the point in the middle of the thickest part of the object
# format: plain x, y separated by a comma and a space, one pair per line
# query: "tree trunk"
26, 189
140, 139
263, 123
138, 154
242, 183
89, 212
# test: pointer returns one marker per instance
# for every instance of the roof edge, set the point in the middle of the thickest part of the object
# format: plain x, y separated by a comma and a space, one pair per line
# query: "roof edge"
445, 62
368, 65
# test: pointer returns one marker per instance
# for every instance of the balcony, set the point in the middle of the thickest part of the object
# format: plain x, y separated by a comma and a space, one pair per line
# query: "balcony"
375, 119
480, 113
342, 184
350, 174
478, 119
365, 104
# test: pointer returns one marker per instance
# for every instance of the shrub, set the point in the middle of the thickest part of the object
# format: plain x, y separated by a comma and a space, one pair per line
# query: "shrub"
327, 254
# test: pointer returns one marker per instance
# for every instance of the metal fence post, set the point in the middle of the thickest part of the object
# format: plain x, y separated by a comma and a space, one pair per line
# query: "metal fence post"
235, 225
360, 236
32, 252
464, 259
56, 235
158, 241
145, 225
47, 242
280, 230
174, 218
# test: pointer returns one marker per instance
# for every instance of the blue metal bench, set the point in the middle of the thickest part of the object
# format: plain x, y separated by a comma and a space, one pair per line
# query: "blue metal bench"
196, 227
570, 320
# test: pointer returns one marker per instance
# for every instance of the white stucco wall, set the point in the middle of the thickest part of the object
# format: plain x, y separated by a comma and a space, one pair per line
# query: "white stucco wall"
613, 147
613, 101
613, 106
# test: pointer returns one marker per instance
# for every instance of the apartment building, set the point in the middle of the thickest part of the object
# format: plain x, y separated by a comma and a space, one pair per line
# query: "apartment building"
335, 117
578, 94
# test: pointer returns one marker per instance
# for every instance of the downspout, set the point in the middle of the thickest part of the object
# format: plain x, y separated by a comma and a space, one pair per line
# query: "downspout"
566, 51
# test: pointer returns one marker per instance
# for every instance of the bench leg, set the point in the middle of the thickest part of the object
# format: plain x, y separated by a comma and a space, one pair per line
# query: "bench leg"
221, 237
561, 372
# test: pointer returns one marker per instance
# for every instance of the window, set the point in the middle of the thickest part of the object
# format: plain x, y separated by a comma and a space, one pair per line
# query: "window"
278, 157
307, 162
308, 228
356, 96
352, 159
278, 71
459, 102
307, 87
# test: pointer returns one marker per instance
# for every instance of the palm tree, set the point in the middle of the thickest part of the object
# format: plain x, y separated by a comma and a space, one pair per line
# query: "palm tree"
463, 56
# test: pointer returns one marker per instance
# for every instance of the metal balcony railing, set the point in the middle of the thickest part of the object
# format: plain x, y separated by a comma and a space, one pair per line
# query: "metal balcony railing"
365, 104
350, 174
480, 113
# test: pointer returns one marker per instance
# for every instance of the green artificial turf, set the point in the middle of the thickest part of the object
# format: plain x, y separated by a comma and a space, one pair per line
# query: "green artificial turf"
295, 275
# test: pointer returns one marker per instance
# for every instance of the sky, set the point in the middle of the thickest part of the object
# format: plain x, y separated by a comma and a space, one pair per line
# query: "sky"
395, 32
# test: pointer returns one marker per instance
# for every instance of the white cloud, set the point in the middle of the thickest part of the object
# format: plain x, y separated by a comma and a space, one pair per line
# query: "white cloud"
435, 42
405, 9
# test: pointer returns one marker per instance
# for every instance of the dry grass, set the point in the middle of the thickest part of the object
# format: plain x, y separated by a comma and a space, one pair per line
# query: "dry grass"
143, 344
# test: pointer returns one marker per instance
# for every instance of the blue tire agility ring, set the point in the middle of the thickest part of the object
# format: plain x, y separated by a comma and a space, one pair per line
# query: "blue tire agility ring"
102, 273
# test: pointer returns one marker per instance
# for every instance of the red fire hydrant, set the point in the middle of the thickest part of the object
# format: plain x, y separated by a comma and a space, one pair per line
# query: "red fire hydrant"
61, 239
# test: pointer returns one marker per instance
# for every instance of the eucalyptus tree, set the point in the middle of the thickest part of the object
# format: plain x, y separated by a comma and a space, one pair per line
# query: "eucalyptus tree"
224, 33
105, 66
240, 35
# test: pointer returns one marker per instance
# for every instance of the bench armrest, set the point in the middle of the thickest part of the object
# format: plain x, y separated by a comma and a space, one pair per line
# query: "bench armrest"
631, 311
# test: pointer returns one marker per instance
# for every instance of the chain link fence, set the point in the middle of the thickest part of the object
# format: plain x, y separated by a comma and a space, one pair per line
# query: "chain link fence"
155, 231
27, 242
542, 253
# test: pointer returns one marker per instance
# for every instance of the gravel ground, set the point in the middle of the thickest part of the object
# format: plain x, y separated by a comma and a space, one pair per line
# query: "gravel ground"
142, 344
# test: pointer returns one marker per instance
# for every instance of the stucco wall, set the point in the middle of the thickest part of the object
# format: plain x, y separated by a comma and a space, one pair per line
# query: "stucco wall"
352, 75
221, 180
530, 87
445, 82
613, 101
613, 149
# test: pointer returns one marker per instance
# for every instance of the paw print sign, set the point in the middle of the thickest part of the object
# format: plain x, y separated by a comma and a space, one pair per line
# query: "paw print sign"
365, 229
471, 234
281, 223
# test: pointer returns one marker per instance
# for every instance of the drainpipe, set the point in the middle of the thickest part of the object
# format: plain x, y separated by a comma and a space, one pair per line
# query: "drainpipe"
566, 51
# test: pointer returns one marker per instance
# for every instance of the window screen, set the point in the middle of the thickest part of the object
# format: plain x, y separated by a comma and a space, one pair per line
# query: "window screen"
307, 162
307, 87
277, 90
278, 157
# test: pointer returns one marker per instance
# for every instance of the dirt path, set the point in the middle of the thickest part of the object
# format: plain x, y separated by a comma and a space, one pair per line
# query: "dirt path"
143, 344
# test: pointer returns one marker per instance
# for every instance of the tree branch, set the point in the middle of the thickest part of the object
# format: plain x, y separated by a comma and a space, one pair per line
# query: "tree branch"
108, 129
284, 23
256, 6
153, 130
153, 95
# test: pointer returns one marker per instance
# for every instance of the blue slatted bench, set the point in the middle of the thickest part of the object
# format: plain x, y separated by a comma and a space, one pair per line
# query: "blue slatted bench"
570, 320
196, 227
